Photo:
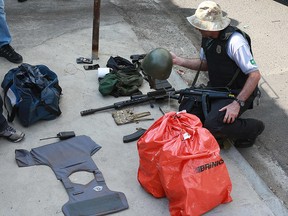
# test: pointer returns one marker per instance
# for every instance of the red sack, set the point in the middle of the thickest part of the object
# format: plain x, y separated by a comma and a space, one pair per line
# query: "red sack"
181, 159
162, 132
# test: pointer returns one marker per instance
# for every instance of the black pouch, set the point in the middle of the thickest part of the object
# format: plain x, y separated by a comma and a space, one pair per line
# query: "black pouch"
190, 103
120, 63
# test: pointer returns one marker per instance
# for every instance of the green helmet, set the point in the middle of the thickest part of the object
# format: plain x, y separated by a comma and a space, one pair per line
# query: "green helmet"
158, 64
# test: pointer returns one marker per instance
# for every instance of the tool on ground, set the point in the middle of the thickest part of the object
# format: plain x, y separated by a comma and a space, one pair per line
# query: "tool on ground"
62, 135
91, 67
82, 60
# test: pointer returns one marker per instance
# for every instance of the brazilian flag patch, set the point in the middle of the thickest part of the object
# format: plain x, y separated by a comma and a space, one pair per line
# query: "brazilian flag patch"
252, 61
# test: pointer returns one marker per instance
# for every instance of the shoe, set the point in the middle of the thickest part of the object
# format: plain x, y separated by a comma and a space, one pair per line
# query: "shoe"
9, 53
11, 134
223, 143
246, 143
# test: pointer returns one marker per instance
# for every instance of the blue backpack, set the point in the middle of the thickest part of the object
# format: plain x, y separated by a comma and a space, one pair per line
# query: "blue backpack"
33, 94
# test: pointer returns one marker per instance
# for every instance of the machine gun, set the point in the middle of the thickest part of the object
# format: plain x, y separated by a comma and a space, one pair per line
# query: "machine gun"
200, 94
203, 95
207, 93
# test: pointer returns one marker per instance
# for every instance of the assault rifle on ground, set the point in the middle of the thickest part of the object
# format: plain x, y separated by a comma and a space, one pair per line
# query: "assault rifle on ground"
199, 94
136, 99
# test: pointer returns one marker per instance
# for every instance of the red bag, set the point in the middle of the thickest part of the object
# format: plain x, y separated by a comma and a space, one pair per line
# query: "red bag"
181, 160
150, 143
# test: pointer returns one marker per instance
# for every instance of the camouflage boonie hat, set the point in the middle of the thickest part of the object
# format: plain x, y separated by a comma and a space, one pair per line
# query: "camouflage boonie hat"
209, 17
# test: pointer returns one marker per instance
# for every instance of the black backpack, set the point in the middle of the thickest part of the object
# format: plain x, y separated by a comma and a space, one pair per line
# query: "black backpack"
33, 94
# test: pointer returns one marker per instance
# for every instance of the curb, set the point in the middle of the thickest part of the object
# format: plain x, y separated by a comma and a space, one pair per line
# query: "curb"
269, 198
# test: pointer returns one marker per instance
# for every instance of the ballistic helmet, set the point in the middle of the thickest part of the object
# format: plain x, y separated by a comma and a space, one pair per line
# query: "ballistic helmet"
209, 17
158, 64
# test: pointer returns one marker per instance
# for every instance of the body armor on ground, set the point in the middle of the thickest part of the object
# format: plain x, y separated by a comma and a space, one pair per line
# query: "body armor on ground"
67, 157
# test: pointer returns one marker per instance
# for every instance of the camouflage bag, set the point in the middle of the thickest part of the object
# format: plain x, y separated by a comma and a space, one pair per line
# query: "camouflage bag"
123, 80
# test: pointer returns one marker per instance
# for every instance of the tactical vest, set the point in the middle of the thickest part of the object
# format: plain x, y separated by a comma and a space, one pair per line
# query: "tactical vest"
220, 63
69, 156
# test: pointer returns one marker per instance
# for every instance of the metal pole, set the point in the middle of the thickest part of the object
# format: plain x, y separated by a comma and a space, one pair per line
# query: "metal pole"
95, 33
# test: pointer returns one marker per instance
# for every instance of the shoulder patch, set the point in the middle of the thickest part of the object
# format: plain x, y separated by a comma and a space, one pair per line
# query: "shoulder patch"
252, 61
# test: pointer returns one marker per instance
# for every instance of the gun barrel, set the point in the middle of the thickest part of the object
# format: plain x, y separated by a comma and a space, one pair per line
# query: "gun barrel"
117, 105
91, 111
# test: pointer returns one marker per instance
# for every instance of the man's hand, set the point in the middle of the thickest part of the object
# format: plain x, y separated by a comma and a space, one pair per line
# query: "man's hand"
176, 59
232, 111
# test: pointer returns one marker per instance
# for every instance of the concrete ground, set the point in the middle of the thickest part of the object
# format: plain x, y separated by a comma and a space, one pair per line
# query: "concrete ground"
67, 31
163, 23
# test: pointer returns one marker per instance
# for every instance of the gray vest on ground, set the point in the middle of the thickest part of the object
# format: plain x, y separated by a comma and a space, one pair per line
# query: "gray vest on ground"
69, 156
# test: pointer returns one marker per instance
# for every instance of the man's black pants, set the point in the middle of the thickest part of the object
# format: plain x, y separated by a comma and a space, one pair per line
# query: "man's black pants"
239, 129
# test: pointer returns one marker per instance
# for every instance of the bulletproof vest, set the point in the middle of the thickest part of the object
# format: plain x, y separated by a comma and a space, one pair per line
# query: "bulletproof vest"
67, 157
220, 63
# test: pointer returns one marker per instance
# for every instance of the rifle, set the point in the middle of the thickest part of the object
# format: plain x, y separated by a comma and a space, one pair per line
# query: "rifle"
207, 92
202, 95
136, 99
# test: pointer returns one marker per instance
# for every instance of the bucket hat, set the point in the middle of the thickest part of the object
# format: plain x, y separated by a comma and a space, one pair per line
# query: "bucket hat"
209, 17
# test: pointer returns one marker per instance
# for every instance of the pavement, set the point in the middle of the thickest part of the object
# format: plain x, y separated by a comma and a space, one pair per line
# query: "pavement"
34, 191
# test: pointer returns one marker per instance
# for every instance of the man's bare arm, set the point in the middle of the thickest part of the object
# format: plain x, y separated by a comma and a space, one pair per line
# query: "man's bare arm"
232, 109
250, 85
192, 64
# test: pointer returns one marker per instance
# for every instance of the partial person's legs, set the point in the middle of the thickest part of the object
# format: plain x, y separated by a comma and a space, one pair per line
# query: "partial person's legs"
6, 50
7, 131
3, 122
244, 131
5, 37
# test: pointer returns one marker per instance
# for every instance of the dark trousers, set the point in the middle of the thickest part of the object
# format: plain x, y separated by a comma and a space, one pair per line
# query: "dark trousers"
239, 129
3, 122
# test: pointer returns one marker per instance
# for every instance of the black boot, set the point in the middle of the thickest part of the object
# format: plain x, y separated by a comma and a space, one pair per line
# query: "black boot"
245, 143
9, 53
